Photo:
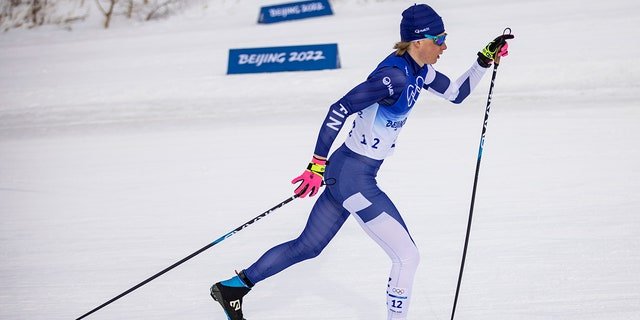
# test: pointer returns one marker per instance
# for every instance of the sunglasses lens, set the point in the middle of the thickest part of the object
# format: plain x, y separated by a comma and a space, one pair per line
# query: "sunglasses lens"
438, 40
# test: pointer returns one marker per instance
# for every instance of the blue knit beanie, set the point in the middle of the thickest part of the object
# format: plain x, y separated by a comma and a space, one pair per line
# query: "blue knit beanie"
418, 20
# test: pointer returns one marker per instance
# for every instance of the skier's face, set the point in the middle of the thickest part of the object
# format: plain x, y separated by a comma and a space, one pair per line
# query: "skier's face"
427, 52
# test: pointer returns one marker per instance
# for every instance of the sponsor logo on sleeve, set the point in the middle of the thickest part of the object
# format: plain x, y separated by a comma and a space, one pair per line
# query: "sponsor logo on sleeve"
387, 82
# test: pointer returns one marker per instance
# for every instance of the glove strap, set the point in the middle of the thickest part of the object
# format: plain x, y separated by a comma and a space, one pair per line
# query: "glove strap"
317, 165
486, 51
316, 168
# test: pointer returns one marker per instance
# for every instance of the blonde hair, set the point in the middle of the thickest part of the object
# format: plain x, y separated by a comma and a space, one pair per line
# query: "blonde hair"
401, 47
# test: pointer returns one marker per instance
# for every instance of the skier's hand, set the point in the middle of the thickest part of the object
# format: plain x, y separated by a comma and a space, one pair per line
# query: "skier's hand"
495, 49
311, 178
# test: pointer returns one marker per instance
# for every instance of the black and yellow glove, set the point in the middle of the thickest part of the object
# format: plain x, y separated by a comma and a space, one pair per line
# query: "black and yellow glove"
496, 48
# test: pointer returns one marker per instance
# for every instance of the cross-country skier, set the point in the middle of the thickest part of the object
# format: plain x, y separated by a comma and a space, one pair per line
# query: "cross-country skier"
382, 104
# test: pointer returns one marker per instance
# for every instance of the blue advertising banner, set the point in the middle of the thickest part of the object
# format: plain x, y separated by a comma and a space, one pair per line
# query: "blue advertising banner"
294, 10
275, 59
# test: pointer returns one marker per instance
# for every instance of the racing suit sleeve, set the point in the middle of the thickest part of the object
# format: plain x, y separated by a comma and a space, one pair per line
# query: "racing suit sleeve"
458, 90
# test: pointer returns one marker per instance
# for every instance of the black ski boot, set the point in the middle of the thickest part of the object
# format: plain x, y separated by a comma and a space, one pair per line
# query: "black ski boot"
229, 294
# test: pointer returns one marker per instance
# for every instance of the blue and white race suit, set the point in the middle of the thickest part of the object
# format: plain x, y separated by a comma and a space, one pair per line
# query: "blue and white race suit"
382, 105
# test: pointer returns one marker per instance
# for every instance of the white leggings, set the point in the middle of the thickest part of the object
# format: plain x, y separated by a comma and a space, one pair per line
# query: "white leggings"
394, 238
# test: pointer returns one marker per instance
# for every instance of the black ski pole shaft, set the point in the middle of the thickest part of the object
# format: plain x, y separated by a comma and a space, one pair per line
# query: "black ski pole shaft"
185, 259
475, 181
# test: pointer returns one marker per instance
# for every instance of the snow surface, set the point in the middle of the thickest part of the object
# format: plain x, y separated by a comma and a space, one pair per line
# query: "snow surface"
124, 150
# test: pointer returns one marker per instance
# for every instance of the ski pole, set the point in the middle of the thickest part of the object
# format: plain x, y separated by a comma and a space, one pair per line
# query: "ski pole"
475, 179
227, 235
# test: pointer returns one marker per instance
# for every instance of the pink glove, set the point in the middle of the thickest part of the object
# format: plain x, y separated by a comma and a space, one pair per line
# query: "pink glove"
311, 178
504, 50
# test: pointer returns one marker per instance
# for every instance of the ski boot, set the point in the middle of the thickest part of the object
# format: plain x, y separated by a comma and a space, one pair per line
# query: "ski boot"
229, 294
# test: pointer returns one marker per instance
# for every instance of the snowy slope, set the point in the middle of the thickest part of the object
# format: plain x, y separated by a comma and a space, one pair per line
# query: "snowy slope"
124, 150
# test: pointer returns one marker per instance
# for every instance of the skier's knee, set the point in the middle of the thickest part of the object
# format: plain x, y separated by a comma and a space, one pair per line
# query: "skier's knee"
409, 258
304, 252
